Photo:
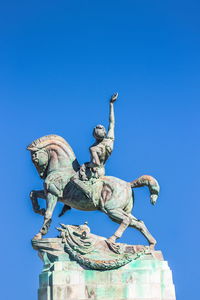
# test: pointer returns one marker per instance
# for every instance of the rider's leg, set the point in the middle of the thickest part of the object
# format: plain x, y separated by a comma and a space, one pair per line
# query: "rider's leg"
82, 185
64, 209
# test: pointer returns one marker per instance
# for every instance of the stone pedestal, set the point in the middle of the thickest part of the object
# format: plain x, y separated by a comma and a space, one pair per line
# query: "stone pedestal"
146, 278
79, 265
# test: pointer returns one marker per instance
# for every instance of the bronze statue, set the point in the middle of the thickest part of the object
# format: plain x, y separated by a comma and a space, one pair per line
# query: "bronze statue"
86, 187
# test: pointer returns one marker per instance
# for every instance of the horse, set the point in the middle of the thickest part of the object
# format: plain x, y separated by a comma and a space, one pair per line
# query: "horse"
57, 165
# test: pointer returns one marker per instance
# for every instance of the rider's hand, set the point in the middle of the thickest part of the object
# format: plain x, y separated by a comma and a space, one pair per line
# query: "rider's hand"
114, 98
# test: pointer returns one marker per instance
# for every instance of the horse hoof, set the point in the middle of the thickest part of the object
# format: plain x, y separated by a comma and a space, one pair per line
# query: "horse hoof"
152, 246
111, 239
38, 236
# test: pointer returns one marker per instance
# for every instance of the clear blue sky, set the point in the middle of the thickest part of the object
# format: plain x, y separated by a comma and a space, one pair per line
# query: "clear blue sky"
60, 62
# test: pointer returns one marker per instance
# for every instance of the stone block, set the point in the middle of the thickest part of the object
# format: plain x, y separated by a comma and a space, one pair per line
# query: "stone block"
99, 277
143, 290
138, 280
66, 277
166, 276
106, 291
168, 291
44, 293
65, 292
44, 279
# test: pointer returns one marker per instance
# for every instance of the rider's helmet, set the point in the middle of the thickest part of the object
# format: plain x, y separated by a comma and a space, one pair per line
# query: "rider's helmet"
99, 132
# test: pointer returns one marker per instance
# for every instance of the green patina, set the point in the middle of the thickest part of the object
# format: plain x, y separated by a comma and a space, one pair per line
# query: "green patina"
67, 276
145, 278
89, 250
86, 187
129, 282
81, 265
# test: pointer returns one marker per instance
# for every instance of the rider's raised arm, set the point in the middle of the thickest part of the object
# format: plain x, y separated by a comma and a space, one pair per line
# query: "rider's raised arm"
112, 117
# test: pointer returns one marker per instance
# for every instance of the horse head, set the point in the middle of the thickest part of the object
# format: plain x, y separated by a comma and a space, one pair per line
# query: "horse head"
52, 153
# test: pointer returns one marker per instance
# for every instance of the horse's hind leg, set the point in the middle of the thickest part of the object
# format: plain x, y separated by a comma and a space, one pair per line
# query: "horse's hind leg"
125, 220
119, 216
143, 229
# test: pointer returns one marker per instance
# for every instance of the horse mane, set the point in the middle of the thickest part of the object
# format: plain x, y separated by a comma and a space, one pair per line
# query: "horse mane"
38, 143
52, 141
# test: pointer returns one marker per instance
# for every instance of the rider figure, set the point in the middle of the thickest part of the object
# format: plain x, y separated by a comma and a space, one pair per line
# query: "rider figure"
87, 176
99, 152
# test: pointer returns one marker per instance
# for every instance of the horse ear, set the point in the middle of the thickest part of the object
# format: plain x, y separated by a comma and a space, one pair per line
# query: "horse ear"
31, 148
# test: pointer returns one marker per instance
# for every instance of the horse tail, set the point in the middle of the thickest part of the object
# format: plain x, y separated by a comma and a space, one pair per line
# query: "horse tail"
152, 184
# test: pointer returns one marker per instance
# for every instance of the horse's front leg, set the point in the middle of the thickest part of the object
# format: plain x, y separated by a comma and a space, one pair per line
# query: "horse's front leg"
34, 195
121, 217
51, 201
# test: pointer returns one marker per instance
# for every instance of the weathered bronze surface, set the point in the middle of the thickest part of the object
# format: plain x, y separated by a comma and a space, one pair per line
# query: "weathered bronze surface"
84, 266
89, 250
86, 187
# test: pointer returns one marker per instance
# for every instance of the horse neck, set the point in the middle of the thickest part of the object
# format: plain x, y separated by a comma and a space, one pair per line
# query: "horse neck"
60, 161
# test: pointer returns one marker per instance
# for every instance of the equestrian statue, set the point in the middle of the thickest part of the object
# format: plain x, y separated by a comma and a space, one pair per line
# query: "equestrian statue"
86, 187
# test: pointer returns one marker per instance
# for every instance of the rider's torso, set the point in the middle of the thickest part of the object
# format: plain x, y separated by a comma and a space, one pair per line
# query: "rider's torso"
102, 149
